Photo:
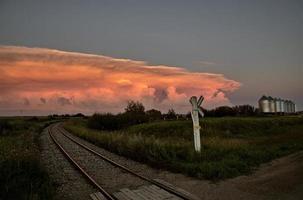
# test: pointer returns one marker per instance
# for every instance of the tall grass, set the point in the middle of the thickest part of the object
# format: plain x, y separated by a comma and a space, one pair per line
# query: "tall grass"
21, 173
230, 146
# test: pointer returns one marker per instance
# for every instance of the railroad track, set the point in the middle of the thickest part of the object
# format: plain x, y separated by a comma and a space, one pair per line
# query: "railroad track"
146, 188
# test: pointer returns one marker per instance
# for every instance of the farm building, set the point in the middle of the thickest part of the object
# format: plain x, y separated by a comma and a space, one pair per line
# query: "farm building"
268, 104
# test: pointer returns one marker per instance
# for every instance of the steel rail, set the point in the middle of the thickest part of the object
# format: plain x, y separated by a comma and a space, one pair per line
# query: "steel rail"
168, 189
92, 180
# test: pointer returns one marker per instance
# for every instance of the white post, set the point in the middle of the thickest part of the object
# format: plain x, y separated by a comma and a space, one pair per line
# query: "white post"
195, 117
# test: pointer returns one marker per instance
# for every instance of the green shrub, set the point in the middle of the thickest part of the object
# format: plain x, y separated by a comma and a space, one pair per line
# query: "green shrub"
104, 122
109, 121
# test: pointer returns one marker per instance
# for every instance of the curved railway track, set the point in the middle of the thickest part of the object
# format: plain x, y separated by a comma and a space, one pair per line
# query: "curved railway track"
174, 194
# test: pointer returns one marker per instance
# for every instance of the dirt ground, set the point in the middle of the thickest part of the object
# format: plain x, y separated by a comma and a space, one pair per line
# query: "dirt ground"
279, 179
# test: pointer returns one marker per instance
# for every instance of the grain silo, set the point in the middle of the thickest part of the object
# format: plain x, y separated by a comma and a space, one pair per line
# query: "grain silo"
272, 105
292, 107
282, 105
277, 105
287, 106
264, 104
268, 104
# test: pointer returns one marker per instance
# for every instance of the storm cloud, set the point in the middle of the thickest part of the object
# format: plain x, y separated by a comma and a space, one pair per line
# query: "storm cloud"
77, 82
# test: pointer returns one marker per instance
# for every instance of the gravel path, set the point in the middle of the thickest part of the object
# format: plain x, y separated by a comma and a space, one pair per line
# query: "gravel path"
108, 176
70, 184
280, 179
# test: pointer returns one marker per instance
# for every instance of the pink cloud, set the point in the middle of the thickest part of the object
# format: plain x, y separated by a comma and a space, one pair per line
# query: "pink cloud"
55, 81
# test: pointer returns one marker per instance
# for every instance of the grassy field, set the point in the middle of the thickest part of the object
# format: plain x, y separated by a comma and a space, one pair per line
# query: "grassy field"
21, 173
230, 146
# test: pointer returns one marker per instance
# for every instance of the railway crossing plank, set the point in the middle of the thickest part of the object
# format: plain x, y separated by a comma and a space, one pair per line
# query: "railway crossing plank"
191, 196
142, 194
164, 193
147, 193
130, 194
150, 192
93, 197
121, 196
97, 196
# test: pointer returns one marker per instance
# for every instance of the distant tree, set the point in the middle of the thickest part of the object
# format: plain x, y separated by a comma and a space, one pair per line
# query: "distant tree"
79, 115
153, 115
134, 113
224, 111
181, 116
171, 114
105, 121
65, 115
188, 115
245, 110
241, 110
33, 119
209, 113
134, 107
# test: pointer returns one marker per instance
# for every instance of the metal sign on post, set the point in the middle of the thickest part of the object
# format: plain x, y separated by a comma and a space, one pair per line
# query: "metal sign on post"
196, 109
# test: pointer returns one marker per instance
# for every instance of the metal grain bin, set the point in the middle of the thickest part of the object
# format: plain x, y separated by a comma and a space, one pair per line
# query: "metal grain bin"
264, 104
282, 106
272, 105
287, 106
292, 107
277, 105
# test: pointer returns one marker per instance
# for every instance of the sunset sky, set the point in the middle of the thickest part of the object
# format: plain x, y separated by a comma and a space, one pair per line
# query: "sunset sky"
93, 56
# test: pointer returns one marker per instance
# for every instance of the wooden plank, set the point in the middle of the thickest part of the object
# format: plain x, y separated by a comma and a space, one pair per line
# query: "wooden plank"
100, 196
93, 196
180, 190
130, 194
97, 196
149, 193
161, 191
142, 194
153, 193
121, 196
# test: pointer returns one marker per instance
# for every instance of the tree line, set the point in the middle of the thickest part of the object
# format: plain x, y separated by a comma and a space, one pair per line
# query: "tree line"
135, 113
